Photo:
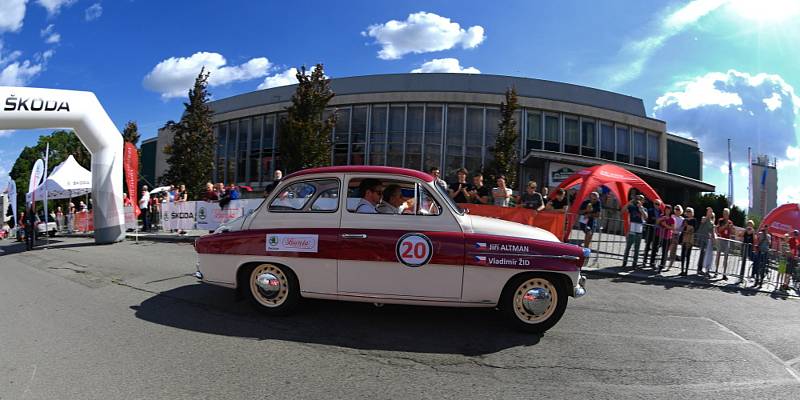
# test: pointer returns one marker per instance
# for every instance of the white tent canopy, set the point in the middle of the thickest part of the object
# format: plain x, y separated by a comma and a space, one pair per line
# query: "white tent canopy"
68, 179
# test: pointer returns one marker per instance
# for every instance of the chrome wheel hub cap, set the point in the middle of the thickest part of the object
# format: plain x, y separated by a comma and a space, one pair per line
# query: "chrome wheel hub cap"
269, 285
536, 301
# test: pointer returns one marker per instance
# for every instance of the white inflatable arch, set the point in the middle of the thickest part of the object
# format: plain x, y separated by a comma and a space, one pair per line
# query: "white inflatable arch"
34, 108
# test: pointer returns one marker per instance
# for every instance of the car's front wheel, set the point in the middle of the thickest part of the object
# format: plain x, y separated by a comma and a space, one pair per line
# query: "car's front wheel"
273, 289
534, 303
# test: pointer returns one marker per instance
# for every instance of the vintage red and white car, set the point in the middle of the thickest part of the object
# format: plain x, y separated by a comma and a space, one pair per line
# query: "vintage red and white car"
389, 235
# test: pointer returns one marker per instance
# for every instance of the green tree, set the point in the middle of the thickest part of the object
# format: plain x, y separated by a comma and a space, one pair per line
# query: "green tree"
131, 133
305, 139
717, 202
63, 143
191, 155
505, 152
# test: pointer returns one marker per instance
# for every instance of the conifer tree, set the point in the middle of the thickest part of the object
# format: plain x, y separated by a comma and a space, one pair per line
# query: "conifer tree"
305, 139
191, 155
505, 151
131, 133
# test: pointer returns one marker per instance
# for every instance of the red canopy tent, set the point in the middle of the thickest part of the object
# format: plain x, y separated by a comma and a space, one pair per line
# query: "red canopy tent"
617, 179
782, 220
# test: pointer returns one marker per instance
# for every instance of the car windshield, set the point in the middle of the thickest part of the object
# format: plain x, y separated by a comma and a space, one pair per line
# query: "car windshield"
448, 199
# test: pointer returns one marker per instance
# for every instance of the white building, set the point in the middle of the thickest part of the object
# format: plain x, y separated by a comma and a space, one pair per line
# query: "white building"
763, 186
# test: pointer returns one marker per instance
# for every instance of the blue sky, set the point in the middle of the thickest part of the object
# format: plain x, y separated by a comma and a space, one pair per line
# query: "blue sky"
712, 69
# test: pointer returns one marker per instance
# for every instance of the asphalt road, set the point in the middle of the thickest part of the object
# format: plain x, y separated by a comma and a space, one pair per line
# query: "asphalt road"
128, 321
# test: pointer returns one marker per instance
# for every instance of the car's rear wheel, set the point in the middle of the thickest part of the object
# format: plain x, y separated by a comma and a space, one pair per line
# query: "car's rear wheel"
534, 303
273, 289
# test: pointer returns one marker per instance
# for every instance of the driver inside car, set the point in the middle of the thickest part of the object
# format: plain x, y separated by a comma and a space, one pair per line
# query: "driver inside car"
393, 201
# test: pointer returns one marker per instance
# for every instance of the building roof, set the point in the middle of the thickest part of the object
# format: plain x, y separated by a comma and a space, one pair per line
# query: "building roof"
443, 82
364, 169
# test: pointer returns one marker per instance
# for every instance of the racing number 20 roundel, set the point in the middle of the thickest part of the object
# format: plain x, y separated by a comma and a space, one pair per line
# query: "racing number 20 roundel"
414, 249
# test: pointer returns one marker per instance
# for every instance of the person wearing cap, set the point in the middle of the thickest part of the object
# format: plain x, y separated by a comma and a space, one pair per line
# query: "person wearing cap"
637, 215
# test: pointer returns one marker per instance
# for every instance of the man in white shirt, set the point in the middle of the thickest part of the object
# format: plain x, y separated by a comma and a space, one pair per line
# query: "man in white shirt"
371, 191
393, 201
144, 203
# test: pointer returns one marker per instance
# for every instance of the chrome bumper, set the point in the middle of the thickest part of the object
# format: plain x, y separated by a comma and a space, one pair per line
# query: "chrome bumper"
580, 290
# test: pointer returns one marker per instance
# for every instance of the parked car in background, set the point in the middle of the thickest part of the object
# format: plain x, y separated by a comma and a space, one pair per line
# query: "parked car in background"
48, 228
314, 237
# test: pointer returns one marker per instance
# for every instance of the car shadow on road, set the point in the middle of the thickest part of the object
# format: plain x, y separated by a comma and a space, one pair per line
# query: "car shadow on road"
359, 326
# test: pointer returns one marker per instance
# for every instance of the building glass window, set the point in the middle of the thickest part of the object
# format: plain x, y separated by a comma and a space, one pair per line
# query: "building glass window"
377, 134
358, 128
607, 141
653, 153
433, 136
280, 120
415, 118
588, 138
222, 136
267, 147
623, 144
341, 136
255, 149
230, 165
552, 140
492, 121
639, 148
244, 138
474, 139
572, 135
454, 139
397, 127
534, 133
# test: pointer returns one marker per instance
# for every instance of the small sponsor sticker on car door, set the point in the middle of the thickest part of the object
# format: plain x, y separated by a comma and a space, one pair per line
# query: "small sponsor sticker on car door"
292, 243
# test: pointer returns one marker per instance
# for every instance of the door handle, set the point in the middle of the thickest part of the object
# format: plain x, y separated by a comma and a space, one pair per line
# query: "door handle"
354, 236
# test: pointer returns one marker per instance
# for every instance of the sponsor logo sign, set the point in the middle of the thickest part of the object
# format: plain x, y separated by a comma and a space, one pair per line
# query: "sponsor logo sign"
414, 249
292, 243
560, 172
14, 103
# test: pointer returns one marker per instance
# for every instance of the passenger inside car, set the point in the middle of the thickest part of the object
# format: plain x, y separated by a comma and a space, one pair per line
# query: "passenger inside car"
371, 192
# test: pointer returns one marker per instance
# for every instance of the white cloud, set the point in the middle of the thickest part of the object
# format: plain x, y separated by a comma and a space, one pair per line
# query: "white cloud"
744, 172
285, 78
773, 102
6, 133
19, 73
93, 12
637, 53
792, 158
54, 6
50, 35
445, 65
12, 15
719, 106
422, 32
788, 194
174, 76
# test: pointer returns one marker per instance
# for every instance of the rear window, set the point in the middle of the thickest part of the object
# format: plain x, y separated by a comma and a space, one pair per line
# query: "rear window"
321, 195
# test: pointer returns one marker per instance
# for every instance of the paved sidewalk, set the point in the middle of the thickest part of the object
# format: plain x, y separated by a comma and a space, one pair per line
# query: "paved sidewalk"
613, 267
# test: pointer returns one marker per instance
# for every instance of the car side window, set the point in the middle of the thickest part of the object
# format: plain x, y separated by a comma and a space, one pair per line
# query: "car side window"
320, 195
390, 197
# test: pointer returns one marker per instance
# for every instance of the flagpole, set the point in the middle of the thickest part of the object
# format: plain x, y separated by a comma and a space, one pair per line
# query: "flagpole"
44, 180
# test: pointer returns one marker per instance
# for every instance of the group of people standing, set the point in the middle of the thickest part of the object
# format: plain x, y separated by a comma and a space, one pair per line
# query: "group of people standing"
664, 228
464, 192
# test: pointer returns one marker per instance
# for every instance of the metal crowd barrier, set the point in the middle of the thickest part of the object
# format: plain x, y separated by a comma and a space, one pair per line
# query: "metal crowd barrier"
729, 258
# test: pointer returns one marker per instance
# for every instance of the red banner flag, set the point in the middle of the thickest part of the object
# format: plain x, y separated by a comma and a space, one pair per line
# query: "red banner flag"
130, 164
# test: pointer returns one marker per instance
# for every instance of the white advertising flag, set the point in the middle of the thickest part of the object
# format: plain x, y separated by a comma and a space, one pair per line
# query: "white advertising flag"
37, 172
